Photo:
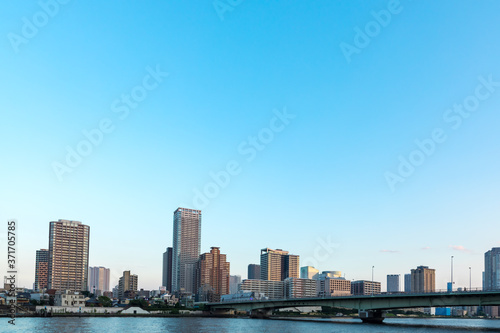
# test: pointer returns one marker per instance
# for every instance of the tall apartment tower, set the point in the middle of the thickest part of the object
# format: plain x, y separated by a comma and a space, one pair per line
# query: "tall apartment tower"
393, 283
68, 255
253, 272
212, 276
491, 277
167, 269
41, 269
423, 279
492, 269
277, 265
186, 249
407, 283
98, 280
128, 282
234, 283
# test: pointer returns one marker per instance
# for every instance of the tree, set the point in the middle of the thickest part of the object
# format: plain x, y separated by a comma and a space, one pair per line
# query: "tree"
105, 301
139, 302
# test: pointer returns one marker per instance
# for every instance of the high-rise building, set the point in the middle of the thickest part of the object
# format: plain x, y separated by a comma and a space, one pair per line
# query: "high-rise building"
253, 272
277, 265
492, 269
365, 287
309, 272
186, 249
300, 288
212, 276
41, 269
127, 284
68, 255
334, 286
393, 283
270, 289
423, 279
291, 267
167, 269
98, 280
491, 277
407, 283
234, 282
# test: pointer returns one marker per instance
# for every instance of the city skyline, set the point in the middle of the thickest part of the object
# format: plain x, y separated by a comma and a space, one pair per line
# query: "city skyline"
265, 121
280, 257
264, 253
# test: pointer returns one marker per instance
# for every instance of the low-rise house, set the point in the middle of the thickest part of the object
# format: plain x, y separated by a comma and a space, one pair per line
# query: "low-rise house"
69, 299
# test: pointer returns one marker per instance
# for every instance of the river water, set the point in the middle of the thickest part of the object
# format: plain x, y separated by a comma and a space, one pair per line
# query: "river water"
230, 325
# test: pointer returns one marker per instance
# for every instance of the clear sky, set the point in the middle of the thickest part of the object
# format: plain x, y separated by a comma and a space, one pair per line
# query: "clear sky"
321, 111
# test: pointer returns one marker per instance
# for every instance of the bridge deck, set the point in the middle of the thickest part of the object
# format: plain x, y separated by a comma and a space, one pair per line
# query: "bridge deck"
375, 302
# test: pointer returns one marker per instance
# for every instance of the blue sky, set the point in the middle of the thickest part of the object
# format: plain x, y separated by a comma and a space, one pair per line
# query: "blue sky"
320, 179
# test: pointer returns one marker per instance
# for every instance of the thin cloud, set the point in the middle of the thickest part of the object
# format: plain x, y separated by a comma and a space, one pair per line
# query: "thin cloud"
426, 248
460, 248
389, 251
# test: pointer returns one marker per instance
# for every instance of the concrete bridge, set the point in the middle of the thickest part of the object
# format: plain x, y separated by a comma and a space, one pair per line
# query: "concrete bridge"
371, 308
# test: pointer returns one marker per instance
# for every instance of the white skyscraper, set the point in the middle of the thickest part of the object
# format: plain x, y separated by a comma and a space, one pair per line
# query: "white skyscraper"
186, 249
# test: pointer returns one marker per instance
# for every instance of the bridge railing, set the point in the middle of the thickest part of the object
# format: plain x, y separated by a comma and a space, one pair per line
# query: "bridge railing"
434, 292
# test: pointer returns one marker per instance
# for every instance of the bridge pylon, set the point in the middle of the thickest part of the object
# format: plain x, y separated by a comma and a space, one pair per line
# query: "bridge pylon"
261, 313
372, 316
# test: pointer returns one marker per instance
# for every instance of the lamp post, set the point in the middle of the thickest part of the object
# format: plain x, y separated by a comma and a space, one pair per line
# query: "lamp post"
470, 279
451, 273
372, 279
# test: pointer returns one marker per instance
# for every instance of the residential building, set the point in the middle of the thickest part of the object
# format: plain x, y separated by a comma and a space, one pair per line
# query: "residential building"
491, 277
334, 286
277, 265
186, 249
309, 272
393, 283
363, 287
127, 284
270, 289
68, 255
423, 279
253, 272
212, 276
98, 280
407, 283
167, 269
69, 298
300, 288
492, 269
41, 270
234, 282
291, 268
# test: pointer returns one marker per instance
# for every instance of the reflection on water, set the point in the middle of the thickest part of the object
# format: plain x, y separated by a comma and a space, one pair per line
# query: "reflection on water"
113, 324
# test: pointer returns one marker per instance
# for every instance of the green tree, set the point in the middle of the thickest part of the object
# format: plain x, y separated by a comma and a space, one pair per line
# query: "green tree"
105, 301
139, 302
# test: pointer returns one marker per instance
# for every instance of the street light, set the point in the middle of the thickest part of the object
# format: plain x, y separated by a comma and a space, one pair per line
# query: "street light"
451, 273
470, 279
372, 280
